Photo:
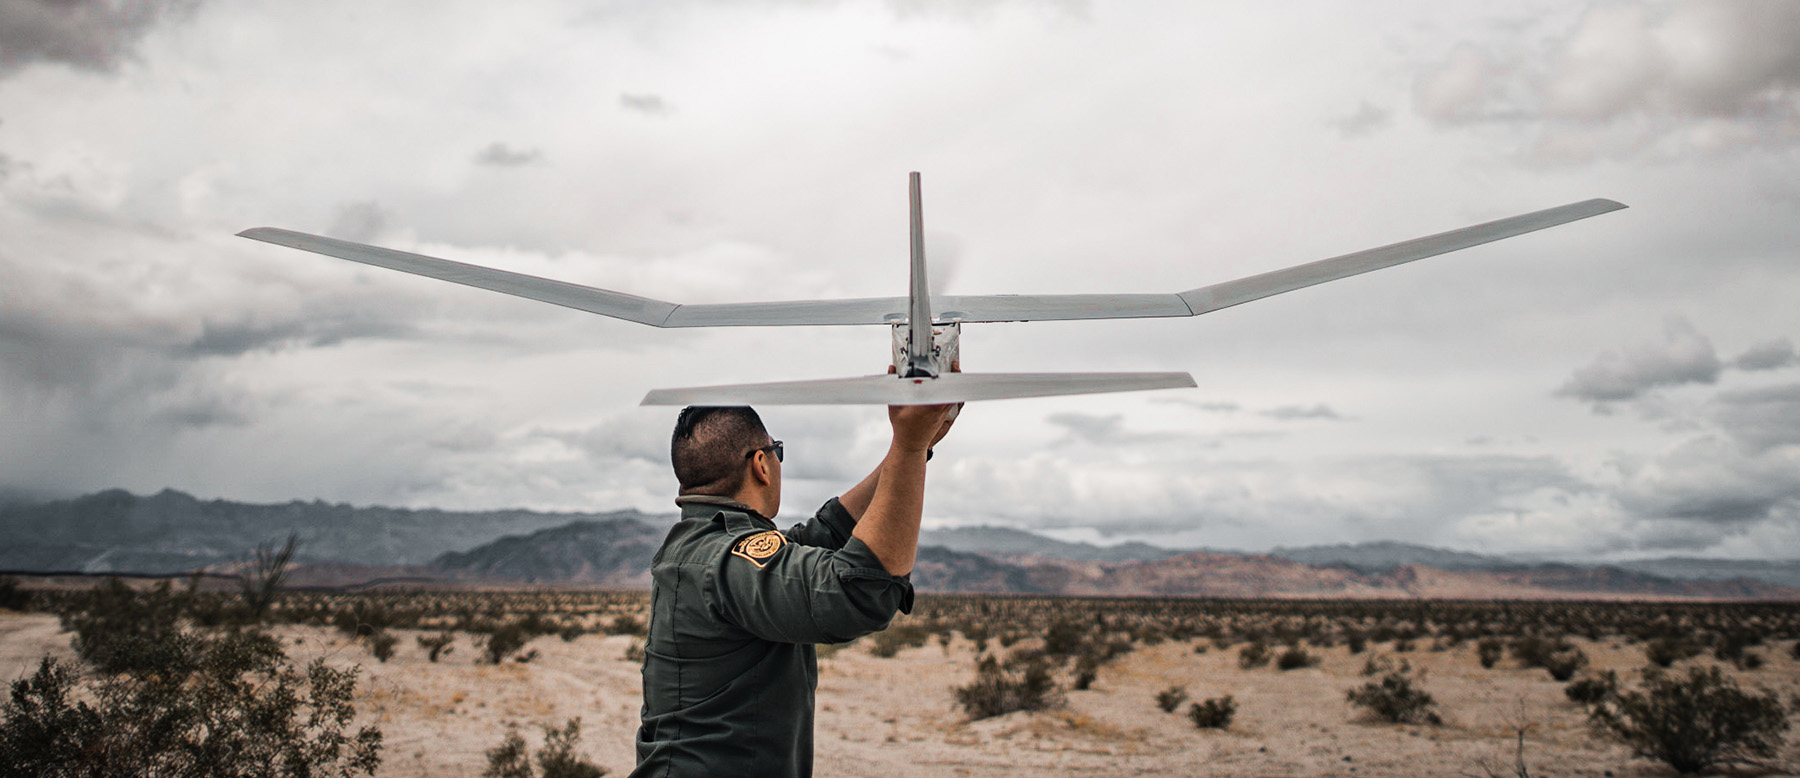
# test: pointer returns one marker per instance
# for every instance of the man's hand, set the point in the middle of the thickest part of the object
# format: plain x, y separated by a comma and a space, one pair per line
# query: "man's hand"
919, 427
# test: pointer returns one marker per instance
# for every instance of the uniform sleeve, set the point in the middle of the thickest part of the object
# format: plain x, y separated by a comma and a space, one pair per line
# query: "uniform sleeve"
794, 593
829, 528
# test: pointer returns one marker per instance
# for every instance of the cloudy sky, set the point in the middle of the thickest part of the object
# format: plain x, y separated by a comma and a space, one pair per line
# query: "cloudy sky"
1623, 386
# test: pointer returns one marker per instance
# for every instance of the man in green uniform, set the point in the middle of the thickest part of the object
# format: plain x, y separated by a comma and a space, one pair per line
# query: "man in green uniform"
736, 605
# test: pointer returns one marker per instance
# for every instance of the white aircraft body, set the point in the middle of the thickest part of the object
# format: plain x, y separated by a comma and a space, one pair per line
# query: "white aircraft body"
926, 361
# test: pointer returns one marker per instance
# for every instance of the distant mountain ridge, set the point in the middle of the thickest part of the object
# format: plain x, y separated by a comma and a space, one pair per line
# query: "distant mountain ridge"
173, 532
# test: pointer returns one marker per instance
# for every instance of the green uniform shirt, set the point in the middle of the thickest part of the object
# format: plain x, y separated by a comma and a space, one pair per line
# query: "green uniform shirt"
735, 608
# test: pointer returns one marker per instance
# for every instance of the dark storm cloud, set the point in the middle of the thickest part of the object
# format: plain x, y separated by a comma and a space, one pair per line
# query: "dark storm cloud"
1669, 78
1760, 419
1775, 354
88, 34
1293, 412
498, 154
650, 104
1711, 480
232, 339
1684, 356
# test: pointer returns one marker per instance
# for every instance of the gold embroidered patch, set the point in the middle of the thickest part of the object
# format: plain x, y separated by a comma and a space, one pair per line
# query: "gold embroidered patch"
759, 547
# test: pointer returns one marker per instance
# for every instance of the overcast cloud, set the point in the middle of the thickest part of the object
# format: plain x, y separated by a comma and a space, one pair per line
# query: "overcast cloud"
1622, 386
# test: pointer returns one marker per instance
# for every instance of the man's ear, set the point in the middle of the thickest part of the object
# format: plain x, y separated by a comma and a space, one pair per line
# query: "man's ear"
759, 467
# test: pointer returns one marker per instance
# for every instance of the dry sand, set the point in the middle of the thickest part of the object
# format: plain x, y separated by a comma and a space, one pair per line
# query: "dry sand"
897, 716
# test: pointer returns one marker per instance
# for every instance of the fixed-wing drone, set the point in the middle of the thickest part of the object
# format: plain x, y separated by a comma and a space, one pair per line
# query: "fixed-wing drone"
926, 345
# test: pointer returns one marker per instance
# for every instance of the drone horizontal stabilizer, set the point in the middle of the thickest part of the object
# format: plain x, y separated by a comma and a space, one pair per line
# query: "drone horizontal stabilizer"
946, 388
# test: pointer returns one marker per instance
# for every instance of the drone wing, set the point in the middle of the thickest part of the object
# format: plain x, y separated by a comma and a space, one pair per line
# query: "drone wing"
967, 308
890, 390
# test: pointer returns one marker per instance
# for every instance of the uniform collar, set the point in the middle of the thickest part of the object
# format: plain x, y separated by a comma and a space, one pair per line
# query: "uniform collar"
695, 506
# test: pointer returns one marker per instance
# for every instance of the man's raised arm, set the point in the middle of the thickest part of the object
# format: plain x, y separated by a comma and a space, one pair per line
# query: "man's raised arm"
889, 521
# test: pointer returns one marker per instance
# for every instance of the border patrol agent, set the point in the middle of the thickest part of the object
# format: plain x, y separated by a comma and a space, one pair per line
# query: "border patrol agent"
737, 605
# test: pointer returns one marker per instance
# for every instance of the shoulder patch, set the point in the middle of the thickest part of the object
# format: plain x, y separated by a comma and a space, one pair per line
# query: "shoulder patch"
758, 548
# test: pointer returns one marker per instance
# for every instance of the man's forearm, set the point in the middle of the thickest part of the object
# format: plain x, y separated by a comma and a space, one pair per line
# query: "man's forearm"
890, 524
856, 499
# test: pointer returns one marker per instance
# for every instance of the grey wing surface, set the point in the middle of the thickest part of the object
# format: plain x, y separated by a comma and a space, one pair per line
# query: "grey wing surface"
889, 390
967, 308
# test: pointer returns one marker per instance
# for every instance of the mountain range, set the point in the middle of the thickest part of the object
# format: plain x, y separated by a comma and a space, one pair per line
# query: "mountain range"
173, 532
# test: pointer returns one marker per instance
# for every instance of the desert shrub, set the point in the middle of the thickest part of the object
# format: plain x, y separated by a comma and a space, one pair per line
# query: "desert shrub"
1750, 661
1213, 713
1253, 655
1695, 722
1065, 637
504, 640
1087, 668
363, 618
626, 624
510, 759
1403, 645
888, 642
437, 645
997, 690
1795, 651
1171, 698
381, 644
570, 631
12, 597
1294, 658
1563, 664
261, 584
1200, 647
635, 651
232, 705
1356, 642
1593, 689
119, 629
1393, 698
1666, 651
1489, 650
1539, 651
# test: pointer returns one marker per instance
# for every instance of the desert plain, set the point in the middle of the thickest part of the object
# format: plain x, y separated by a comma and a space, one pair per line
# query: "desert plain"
898, 715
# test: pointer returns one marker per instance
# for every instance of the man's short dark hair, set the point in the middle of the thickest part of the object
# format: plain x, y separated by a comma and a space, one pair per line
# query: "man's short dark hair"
709, 445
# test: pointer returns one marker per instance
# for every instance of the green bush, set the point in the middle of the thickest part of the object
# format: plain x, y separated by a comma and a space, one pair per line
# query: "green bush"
381, 644
1253, 655
1489, 650
504, 640
557, 759
119, 629
1393, 698
1693, 723
997, 690
1295, 658
888, 642
231, 705
1593, 689
12, 597
437, 645
1563, 664
1214, 713
1171, 698
1666, 651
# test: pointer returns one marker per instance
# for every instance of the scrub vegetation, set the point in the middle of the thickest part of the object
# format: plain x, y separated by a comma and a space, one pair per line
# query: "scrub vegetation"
1701, 702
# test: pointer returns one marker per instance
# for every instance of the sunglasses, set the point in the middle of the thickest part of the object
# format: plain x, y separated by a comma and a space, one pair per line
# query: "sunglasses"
774, 447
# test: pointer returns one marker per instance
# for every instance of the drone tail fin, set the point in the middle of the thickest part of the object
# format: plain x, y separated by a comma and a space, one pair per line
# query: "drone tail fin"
918, 346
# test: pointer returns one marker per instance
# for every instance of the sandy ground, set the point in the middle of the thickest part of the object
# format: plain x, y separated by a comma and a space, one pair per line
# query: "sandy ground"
897, 716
